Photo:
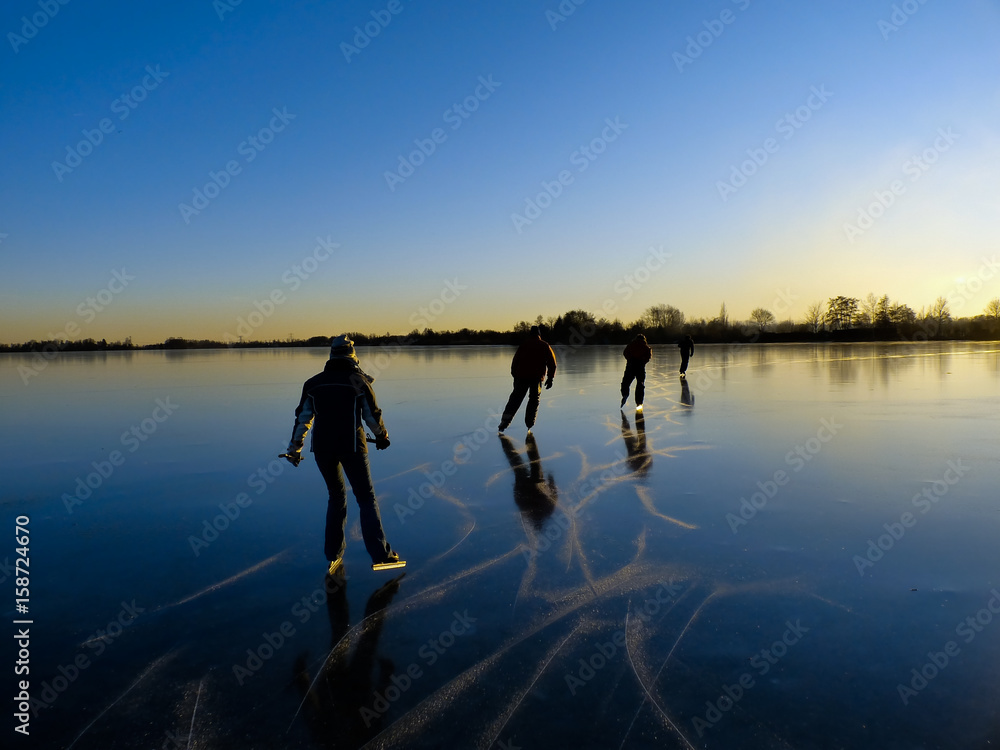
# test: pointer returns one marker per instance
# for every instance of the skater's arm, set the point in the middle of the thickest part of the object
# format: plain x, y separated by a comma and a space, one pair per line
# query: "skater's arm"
305, 412
372, 414
550, 362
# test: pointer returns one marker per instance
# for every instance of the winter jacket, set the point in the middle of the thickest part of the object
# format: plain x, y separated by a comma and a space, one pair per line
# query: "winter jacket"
532, 359
637, 352
337, 403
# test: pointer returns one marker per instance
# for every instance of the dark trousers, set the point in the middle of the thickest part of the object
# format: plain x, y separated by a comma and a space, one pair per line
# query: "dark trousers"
684, 361
522, 386
355, 465
637, 373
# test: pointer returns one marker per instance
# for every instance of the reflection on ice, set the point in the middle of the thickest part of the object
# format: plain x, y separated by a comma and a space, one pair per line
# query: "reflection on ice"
575, 587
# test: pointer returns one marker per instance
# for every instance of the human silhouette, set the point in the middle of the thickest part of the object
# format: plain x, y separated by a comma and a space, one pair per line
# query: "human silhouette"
686, 346
532, 360
340, 401
639, 457
340, 705
636, 354
535, 497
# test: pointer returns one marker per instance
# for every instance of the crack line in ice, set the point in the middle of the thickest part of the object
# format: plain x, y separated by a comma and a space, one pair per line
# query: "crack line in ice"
397, 608
232, 579
152, 666
656, 677
647, 501
624, 579
527, 690
194, 712
419, 467
472, 526
456, 685
649, 696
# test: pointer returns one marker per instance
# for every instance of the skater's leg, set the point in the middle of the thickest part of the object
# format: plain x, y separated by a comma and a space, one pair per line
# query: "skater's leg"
534, 392
336, 508
626, 383
513, 403
359, 475
640, 386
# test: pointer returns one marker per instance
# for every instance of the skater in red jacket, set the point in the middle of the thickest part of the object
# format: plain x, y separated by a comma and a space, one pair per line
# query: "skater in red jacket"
532, 360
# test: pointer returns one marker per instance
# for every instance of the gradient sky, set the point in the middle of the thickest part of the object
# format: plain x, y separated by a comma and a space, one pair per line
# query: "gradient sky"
889, 92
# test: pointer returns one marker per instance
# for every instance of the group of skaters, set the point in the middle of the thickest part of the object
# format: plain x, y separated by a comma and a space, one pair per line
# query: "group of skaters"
339, 402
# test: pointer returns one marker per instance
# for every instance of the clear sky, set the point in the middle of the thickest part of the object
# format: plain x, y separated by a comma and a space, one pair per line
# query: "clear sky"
278, 164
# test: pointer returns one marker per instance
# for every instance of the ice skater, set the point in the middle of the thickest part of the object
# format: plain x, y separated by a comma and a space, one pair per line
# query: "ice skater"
636, 354
341, 401
532, 360
686, 346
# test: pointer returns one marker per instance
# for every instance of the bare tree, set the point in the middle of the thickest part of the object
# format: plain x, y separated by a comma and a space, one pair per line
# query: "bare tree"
867, 310
663, 316
814, 317
993, 309
762, 317
723, 317
940, 313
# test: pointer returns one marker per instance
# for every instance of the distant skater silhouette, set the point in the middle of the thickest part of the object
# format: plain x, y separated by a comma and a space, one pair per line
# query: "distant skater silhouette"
636, 354
532, 360
341, 401
535, 499
686, 346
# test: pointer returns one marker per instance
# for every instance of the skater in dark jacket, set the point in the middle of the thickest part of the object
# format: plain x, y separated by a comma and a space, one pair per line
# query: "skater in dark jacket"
532, 360
686, 346
636, 354
337, 404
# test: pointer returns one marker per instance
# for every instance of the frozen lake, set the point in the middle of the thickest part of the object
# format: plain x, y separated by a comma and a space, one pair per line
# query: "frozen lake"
800, 550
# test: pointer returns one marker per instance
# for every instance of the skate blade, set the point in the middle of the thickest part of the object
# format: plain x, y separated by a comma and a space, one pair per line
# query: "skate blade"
389, 565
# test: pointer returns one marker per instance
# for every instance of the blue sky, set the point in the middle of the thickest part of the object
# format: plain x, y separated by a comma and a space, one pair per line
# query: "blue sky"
834, 102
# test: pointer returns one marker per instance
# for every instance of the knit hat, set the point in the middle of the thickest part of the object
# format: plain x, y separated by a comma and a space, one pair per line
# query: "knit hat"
342, 347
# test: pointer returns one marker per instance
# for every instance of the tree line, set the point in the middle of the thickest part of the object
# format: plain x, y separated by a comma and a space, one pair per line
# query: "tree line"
839, 319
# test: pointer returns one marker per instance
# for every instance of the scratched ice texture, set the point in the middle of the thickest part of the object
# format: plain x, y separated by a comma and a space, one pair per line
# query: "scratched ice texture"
797, 549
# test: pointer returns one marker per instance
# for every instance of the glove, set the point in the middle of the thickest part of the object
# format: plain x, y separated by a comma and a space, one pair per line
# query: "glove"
548, 383
293, 458
382, 442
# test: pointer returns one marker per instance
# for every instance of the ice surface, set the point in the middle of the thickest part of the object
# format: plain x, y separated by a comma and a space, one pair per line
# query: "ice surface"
607, 582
